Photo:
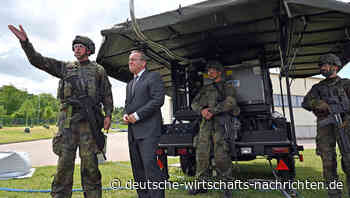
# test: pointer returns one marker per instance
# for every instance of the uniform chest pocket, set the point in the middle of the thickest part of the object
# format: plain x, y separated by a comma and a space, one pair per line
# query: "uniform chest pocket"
91, 82
324, 92
211, 95
68, 86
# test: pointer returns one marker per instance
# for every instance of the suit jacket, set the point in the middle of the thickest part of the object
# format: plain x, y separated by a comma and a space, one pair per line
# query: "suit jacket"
146, 102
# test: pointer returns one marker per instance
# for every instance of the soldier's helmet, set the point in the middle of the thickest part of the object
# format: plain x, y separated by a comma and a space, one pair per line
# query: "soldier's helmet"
88, 43
330, 59
214, 64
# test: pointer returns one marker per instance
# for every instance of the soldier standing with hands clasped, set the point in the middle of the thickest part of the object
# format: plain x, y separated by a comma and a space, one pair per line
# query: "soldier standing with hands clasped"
329, 101
213, 101
83, 88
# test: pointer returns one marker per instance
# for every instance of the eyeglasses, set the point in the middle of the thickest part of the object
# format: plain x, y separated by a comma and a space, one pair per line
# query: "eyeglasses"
78, 45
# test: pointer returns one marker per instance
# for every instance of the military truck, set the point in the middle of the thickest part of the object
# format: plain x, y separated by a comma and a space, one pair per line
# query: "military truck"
249, 37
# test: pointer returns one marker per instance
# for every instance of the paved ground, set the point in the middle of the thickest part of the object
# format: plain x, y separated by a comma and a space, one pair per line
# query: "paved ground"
40, 152
307, 143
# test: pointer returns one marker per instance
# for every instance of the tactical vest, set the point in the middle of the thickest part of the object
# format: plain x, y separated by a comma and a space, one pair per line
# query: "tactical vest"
334, 93
79, 81
221, 92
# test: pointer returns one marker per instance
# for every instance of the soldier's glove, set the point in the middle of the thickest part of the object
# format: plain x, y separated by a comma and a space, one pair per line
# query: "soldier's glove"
320, 114
322, 110
323, 106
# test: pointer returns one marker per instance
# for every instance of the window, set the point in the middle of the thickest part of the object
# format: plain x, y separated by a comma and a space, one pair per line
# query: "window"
296, 100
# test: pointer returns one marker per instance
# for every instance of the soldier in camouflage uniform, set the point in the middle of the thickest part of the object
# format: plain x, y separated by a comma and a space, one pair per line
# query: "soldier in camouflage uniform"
327, 136
74, 129
211, 133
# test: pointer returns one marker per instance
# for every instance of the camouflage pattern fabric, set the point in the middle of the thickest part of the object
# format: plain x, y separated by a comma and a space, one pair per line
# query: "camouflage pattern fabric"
327, 136
78, 135
99, 86
74, 130
211, 133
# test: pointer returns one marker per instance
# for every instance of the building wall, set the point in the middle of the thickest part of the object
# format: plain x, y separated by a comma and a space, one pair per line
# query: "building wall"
167, 110
305, 121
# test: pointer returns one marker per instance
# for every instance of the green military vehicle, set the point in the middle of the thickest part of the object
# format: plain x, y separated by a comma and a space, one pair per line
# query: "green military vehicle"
249, 37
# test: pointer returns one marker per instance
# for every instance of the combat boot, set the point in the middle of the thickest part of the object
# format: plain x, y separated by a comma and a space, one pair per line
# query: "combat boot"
334, 195
93, 194
227, 194
194, 191
61, 195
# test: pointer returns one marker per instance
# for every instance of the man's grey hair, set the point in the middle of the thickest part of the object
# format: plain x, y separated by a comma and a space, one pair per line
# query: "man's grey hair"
142, 57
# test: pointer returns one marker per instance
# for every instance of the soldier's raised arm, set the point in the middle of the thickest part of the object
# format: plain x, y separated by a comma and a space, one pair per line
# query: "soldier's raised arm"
19, 33
50, 65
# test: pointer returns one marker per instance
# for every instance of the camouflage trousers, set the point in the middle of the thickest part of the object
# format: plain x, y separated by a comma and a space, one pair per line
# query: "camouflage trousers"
211, 137
326, 148
65, 145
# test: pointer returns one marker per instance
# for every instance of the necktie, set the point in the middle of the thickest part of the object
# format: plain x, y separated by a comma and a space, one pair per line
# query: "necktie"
133, 85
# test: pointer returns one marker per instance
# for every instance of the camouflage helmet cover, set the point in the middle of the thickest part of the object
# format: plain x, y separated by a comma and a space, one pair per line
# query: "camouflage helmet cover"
330, 59
215, 65
88, 43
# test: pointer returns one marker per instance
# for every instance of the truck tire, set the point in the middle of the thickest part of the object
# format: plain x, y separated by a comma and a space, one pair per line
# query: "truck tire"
188, 164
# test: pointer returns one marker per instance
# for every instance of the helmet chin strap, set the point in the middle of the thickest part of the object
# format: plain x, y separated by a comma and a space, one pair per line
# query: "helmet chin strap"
329, 72
83, 58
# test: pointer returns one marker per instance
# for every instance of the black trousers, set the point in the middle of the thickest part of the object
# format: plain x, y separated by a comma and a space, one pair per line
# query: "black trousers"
144, 165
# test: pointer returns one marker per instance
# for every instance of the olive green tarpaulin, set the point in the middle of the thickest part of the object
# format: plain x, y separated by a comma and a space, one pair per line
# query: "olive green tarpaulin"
232, 31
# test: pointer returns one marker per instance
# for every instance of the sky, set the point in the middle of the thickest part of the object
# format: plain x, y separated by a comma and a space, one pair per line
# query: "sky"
52, 25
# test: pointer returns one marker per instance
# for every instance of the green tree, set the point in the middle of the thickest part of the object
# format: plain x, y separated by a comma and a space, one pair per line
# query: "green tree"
47, 106
26, 110
118, 114
2, 111
15, 103
11, 98
48, 113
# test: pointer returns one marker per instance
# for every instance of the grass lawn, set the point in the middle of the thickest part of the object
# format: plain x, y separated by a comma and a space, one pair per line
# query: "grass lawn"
17, 134
119, 126
309, 170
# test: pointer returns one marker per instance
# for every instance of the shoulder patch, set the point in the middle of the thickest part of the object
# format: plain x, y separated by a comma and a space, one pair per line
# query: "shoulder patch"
316, 85
71, 65
345, 81
98, 66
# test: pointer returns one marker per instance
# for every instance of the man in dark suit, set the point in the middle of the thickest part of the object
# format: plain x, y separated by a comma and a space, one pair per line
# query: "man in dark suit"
144, 97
